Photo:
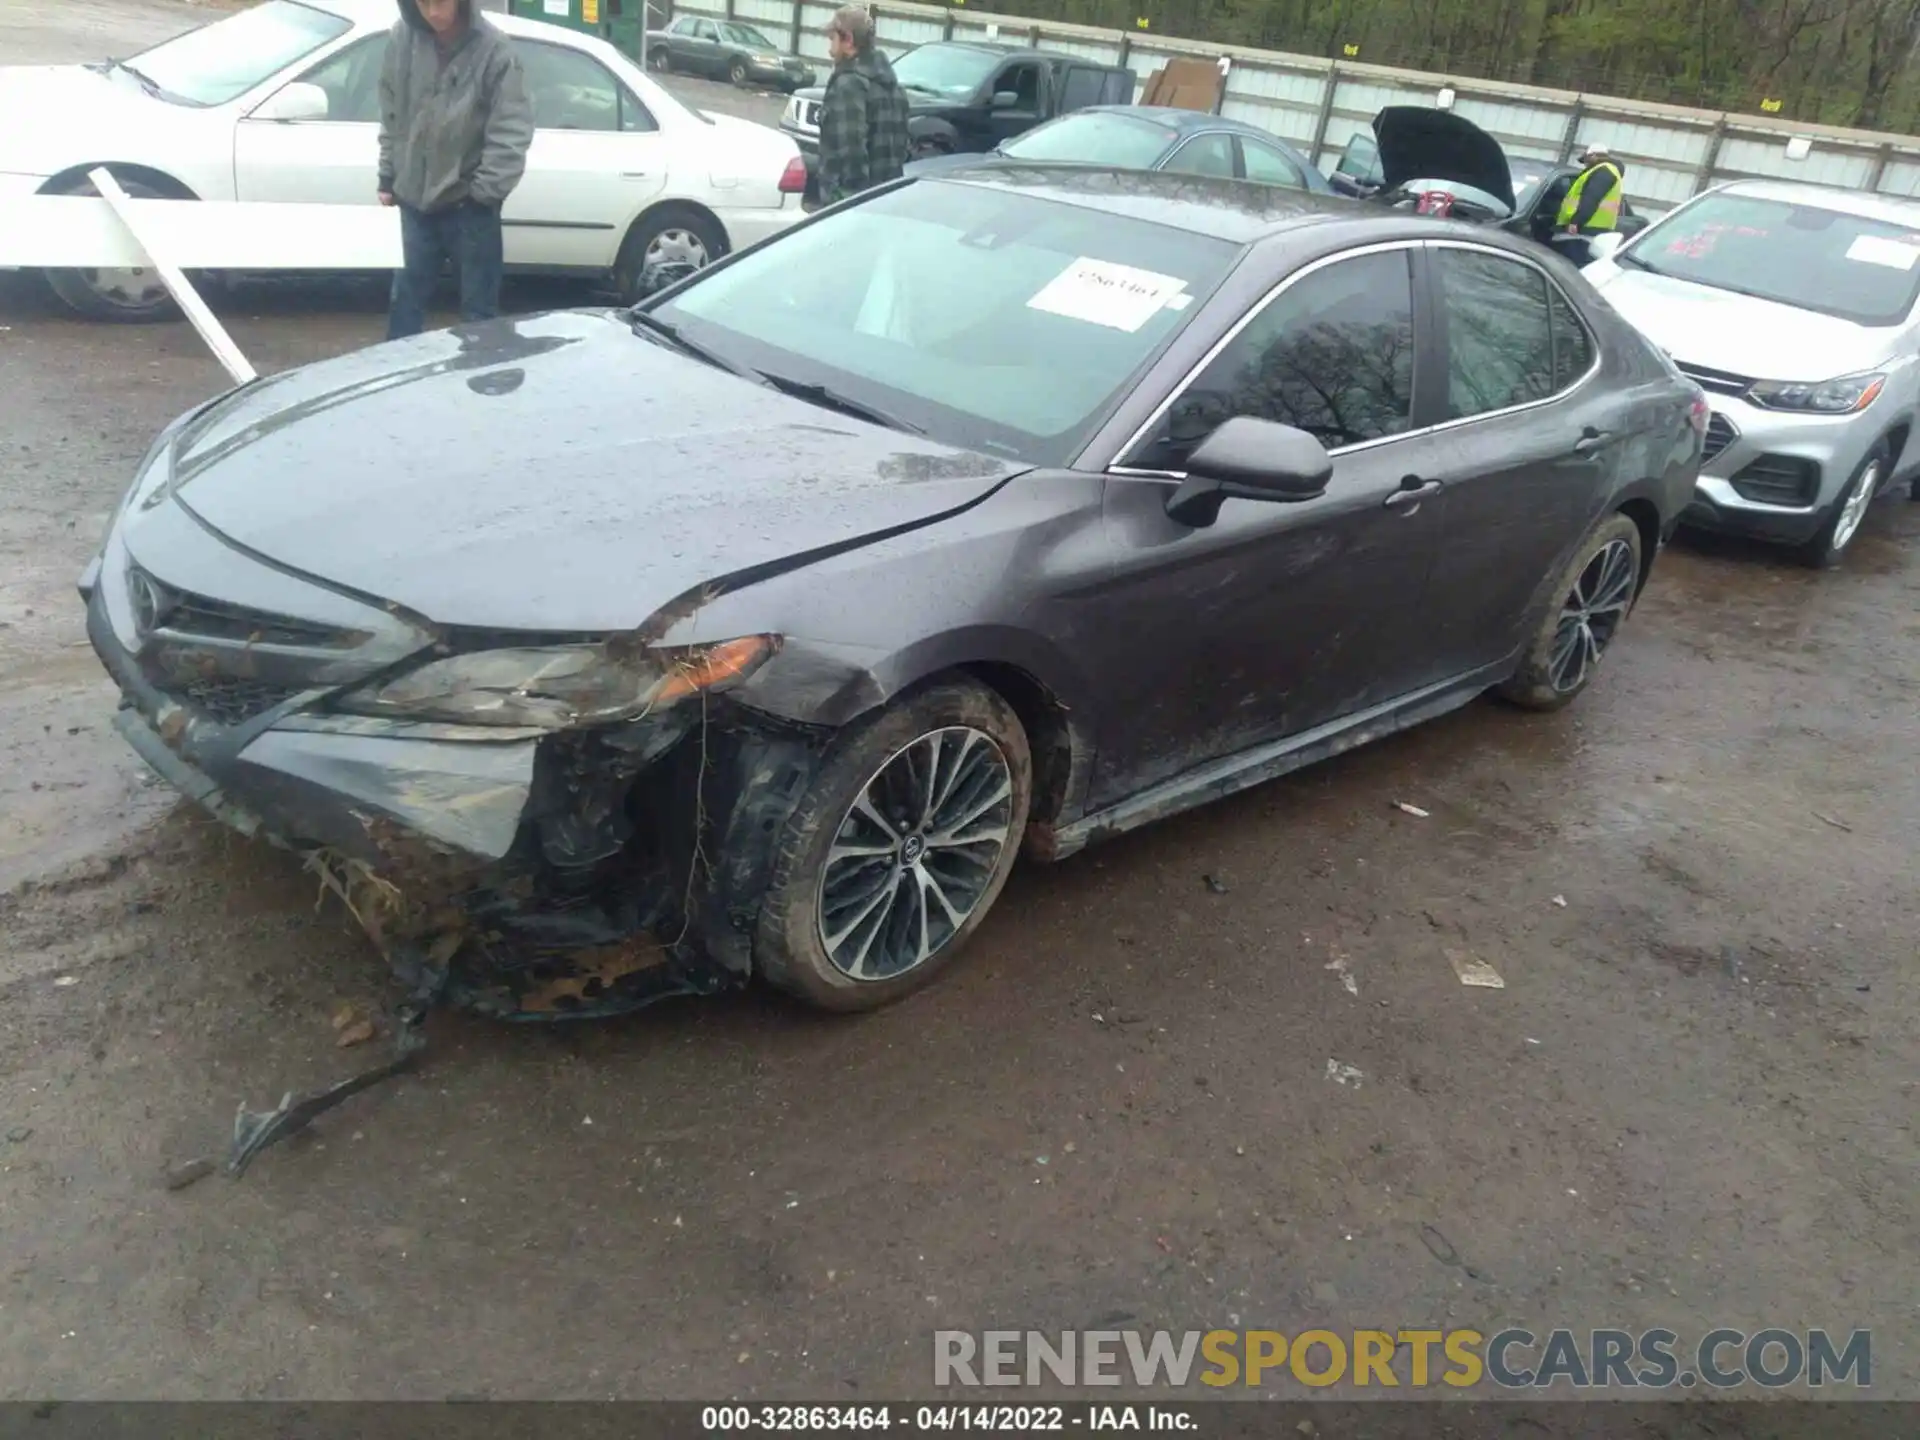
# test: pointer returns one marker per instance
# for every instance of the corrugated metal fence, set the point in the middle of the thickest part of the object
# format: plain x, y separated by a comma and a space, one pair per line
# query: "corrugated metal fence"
1671, 153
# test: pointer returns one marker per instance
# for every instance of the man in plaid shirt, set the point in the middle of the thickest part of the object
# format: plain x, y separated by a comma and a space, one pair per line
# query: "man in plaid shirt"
863, 119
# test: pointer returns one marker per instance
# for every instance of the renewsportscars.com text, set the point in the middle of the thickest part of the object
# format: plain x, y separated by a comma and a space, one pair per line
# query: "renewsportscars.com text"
1513, 1359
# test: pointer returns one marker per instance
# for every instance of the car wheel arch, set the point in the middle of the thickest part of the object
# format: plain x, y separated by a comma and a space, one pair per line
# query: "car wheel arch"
122, 170
1057, 733
1646, 518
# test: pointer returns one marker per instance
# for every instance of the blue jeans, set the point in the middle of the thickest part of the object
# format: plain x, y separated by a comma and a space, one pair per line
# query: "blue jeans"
466, 234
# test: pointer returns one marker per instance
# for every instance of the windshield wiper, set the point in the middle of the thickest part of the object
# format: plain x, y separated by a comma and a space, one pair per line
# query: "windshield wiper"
147, 82
647, 324
833, 400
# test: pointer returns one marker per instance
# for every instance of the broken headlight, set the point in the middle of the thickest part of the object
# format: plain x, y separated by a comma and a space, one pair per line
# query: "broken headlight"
557, 687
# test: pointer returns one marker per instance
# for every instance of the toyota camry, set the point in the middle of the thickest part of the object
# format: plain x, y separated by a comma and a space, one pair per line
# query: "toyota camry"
602, 655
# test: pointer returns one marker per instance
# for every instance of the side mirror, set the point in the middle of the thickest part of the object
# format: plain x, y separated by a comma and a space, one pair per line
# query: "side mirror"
1605, 245
1005, 99
1249, 459
298, 101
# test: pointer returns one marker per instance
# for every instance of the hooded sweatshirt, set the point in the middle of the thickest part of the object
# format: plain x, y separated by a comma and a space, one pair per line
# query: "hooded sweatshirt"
863, 127
455, 125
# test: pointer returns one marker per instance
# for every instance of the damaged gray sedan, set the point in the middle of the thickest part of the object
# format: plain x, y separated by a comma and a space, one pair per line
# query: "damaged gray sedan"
599, 656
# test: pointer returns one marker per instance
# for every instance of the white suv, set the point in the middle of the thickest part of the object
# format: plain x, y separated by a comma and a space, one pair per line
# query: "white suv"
1794, 308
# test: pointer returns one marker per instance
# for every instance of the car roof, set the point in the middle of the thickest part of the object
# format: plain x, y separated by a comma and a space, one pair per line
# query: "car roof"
385, 12
1186, 122
1846, 202
1240, 212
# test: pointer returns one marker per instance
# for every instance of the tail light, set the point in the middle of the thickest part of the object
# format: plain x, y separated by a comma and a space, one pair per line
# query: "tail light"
793, 180
1699, 414
1435, 202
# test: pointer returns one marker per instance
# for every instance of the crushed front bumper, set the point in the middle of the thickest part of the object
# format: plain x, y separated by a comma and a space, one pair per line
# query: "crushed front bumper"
541, 876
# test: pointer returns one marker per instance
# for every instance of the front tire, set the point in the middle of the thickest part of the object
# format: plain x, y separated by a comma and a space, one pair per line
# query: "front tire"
1825, 550
737, 72
136, 296
929, 146
1591, 601
899, 849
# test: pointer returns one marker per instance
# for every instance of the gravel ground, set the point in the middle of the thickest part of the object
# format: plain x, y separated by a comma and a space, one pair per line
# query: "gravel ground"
1692, 1105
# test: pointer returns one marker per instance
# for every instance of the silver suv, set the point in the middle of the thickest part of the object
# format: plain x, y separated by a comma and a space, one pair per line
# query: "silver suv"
1793, 307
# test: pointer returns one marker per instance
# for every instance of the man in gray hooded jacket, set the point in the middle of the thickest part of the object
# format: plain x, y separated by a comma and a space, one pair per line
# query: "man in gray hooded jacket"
455, 127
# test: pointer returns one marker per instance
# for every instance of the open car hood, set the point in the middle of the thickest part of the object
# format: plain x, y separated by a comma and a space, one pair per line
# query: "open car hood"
1417, 142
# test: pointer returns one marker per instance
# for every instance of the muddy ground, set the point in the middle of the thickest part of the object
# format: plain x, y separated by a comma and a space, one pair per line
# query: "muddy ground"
1692, 1105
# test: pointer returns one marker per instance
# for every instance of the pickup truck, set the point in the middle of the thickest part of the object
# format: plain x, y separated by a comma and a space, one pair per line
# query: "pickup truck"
967, 96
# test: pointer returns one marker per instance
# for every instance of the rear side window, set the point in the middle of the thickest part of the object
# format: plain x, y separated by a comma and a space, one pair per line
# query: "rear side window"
1082, 88
1572, 344
1270, 166
1499, 332
1332, 355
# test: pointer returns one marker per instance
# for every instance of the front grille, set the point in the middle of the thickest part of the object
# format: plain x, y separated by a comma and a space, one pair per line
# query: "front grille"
195, 615
1719, 381
228, 700
162, 607
1720, 434
1778, 480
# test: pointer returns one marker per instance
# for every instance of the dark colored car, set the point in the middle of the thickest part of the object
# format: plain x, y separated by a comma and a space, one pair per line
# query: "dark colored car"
725, 50
1430, 149
755, 630
968, 96
1150, 137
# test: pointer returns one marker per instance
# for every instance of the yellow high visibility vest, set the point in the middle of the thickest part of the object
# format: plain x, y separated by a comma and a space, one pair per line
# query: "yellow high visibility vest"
1608, 215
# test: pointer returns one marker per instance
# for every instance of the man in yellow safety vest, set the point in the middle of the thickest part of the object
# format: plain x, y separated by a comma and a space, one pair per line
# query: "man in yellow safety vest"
1593, 201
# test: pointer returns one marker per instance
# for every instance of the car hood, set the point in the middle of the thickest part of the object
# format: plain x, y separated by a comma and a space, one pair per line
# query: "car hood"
50, 114
1736, 334
551, 472
1421, 143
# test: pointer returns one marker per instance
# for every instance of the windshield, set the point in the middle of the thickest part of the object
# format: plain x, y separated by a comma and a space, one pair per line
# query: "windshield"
747, 35
988, 318
224, 60
1847, 266
953, 70
1096, 139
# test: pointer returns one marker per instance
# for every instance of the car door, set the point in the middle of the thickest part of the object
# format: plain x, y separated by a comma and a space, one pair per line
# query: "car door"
1522, 450
1210, 153
1277, 618
598, 158
335, 160
703, 49
1269, 164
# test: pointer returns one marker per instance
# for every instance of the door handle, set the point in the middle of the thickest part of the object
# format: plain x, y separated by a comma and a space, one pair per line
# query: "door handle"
1411, 492
1591, 441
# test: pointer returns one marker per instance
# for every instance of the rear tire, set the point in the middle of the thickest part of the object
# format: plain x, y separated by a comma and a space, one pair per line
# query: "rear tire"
875, 890
658, 59
1588, 604
1849, 513
127, 297
672, 236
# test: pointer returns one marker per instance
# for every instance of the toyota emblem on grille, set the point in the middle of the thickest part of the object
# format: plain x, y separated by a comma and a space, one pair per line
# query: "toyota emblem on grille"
151, 603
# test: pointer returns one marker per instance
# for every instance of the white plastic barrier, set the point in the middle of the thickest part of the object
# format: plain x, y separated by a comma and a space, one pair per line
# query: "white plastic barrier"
115, 231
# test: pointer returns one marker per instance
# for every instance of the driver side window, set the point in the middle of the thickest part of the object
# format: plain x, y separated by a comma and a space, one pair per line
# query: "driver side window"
1024, 81
1332, 355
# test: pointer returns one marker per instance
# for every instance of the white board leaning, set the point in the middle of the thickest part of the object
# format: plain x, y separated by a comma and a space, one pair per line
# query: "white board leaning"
116, 231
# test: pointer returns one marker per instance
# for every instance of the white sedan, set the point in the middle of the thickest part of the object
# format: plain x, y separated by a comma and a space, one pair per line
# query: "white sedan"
281, 102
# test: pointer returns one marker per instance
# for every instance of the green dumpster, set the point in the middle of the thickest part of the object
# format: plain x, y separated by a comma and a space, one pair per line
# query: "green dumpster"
618, 22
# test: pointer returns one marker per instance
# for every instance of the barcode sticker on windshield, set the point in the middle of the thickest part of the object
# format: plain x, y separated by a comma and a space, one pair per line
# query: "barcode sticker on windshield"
1893, 254
1102, 293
